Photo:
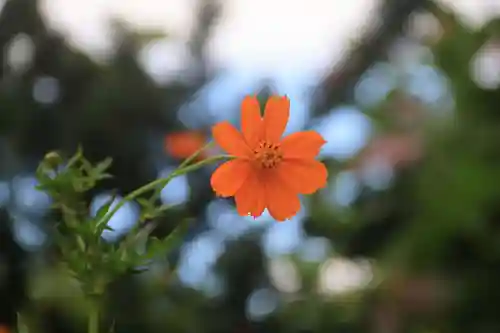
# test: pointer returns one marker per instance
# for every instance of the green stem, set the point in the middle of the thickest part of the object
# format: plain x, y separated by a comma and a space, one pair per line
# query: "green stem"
160, 182
184, 163
194, 156
93, 319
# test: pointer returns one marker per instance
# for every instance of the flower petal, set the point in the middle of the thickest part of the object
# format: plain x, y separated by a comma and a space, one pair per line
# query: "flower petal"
184, 144
250, 198
251, 120
276, 117
282, 202
305, 144
230, 140
303, 176
228, 178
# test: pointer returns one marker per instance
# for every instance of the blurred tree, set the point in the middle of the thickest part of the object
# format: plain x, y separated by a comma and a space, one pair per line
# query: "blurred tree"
61, 98
12, 273
338, 86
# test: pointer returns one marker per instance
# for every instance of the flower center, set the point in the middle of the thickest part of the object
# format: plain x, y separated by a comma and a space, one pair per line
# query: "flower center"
268, 155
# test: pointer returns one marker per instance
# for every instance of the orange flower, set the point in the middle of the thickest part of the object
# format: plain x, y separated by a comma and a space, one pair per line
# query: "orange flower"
4, 329
183, 144
268, 171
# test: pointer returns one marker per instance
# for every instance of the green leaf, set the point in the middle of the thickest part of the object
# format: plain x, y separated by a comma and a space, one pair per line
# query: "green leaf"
77, 157
176, 238
163, 208
107, 227
103, 166
104, 176
82, 184
100, 222
22, 326
105, 207
152, 212
87, 166
158, 247
61, 241
75, 263
144, 203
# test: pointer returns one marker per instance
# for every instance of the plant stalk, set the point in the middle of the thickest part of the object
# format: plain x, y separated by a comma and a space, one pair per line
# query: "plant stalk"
160, 182
93, 326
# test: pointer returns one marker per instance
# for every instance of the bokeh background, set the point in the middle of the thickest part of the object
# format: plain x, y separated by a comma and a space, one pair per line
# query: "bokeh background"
405, 238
